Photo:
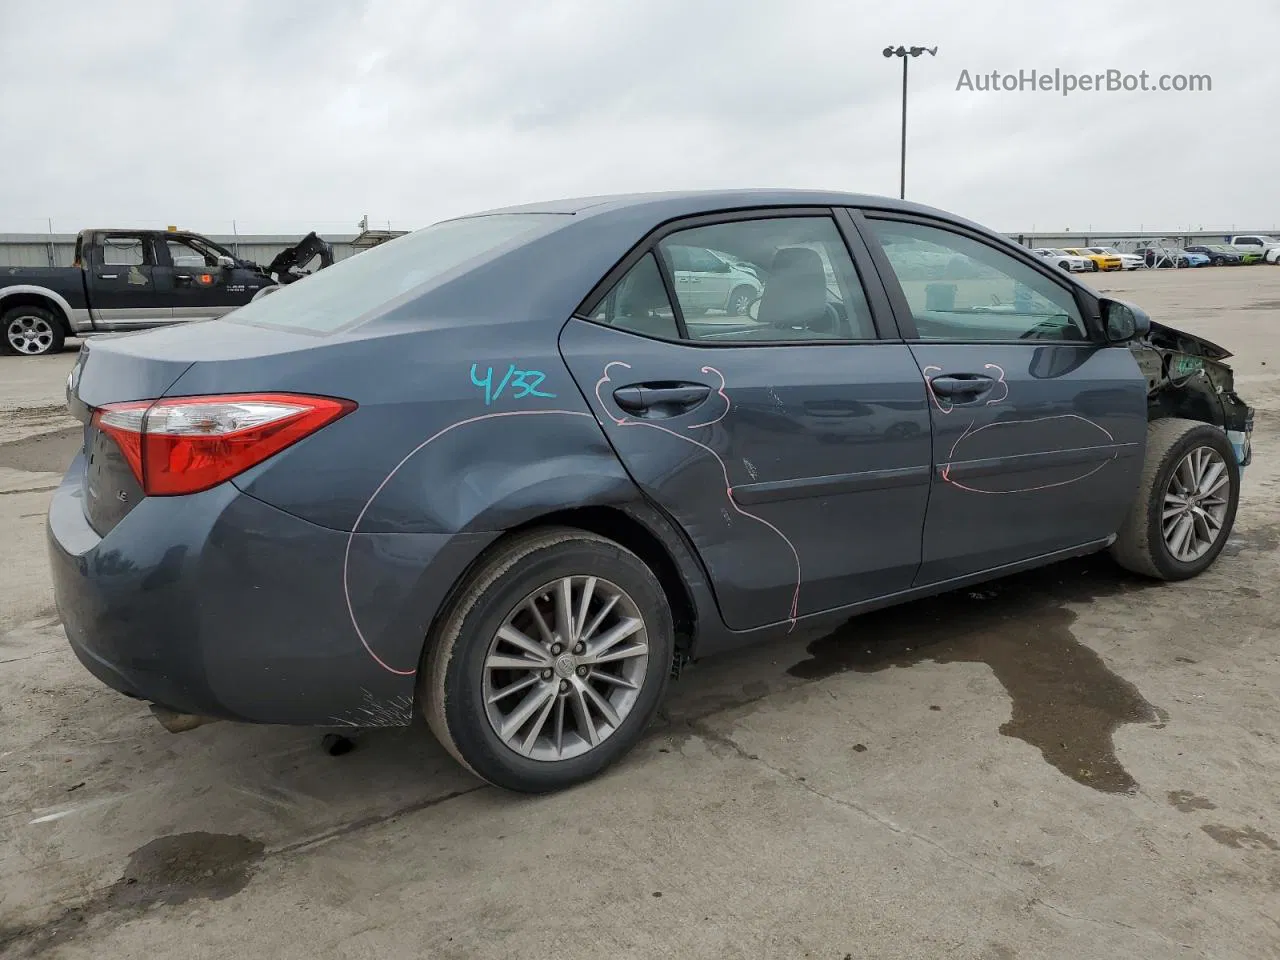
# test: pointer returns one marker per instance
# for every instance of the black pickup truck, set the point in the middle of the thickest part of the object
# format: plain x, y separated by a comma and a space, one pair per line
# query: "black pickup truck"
131, 279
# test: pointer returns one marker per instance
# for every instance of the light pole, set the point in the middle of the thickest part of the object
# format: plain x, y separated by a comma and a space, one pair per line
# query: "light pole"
904, 53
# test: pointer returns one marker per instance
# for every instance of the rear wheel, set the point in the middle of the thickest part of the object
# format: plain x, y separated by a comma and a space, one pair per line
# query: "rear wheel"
550, 661
1186, 502
31, 331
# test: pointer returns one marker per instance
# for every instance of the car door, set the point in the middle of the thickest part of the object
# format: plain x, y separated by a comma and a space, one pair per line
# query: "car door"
122, 287
1039, 425
792, 446
192, 280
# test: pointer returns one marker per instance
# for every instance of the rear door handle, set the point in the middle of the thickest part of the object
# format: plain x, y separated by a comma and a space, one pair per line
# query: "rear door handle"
182, 279
961, 385
661, 400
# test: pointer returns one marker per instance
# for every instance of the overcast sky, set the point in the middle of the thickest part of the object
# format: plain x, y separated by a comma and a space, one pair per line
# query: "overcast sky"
284, 116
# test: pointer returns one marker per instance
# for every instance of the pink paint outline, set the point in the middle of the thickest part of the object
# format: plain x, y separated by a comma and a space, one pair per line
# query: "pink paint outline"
928, 386
723, 396
355, 527
1001, 381
970, 432
621, 422
724, 470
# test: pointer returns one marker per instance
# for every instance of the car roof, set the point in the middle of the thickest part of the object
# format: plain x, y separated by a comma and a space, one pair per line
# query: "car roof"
692, 202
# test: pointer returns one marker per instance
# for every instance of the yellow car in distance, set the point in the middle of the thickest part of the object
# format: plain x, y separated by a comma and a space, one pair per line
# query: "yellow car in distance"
1103, 261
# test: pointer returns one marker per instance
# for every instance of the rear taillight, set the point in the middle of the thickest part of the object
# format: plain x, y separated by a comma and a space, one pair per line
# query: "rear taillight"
188, 444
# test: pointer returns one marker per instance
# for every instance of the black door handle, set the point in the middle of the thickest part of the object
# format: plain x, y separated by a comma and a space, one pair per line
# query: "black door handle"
961, 385
182, 279
661, 399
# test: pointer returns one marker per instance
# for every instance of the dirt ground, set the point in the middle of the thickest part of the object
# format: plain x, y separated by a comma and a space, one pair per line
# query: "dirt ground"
1070, 763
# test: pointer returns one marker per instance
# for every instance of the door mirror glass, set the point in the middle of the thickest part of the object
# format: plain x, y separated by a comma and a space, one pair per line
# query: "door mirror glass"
1124, 321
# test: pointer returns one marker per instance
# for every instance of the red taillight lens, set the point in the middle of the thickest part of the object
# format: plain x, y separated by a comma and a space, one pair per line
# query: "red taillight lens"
188, 444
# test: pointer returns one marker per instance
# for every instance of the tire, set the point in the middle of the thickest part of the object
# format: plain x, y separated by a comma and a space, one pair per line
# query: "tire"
31, 331
1065, 265
740, 301
456, 687
1140, 544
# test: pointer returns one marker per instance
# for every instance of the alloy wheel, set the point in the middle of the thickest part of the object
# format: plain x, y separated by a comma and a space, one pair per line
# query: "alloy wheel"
29, 334
1195, 504
565, 669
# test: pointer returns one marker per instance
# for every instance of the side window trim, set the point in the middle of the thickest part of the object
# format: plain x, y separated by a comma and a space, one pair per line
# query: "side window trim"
902, 309
882, 316
882, 312
669, 284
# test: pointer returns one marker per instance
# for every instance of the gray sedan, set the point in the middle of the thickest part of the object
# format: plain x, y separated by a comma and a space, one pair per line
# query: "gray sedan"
507, 471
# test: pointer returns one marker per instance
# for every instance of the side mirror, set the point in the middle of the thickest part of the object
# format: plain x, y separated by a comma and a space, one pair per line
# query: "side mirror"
225, 262
1123, 321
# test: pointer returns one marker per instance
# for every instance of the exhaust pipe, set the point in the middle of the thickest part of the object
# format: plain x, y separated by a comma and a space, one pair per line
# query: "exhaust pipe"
176, 722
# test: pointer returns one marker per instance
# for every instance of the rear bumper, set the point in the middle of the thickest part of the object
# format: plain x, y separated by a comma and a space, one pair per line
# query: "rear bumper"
221, 605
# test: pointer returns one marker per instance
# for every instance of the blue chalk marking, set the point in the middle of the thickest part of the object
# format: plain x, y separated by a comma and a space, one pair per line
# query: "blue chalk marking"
523, 383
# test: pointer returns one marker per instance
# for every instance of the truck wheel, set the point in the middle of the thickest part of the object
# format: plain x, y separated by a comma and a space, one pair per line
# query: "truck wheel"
550, 660
1186, 502
31, 331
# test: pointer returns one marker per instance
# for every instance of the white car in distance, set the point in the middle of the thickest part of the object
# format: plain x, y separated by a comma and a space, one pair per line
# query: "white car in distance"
710, 280
1065, 261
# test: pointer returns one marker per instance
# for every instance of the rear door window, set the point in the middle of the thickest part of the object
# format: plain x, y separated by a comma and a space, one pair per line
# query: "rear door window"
343, 293
772, 279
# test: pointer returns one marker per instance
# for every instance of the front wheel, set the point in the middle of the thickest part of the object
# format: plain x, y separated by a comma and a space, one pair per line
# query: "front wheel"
740, 301
1186, 502
550, 661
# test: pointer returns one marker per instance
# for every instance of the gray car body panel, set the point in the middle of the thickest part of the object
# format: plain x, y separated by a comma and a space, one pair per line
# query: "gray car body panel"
812, 484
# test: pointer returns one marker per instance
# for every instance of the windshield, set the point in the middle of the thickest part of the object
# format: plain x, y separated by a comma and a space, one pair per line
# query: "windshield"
343, 293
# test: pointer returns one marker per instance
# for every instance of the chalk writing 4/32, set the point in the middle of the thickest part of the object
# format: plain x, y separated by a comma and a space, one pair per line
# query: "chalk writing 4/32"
523, 383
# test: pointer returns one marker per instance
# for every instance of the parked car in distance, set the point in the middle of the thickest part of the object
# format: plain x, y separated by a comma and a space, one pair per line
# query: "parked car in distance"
1272, 255
1167, 257
1128, 261
1250, 254
711, 281
507, 474
131, 280
1219, 254
1103, 261
1257, 243
1069, 262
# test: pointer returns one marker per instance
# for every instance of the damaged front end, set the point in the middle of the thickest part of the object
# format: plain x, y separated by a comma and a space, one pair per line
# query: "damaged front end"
1187, 378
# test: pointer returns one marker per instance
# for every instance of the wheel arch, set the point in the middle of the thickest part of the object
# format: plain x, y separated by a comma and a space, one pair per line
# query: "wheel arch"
637, 527
628, 530
25, 294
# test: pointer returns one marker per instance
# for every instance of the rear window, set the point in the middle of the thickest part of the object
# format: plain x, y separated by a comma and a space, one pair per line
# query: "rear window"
343, 293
